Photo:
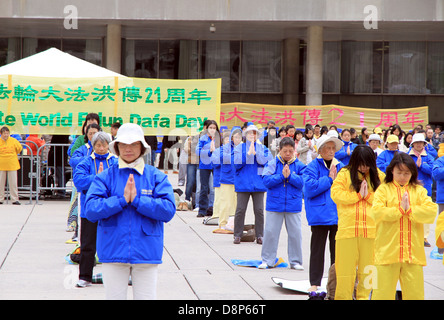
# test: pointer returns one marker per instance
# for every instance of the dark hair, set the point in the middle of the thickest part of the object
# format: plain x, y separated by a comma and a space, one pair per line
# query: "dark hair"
407, 144
3, 129
402, 158
282, 129
286, 141
397, 126
91, 126
324, 129
217, 139
307, 129
116, 125
345, 130
363, 155
90, 116
117, 152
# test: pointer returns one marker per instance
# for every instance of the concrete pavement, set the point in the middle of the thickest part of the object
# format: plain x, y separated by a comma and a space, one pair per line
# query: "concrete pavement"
197, 263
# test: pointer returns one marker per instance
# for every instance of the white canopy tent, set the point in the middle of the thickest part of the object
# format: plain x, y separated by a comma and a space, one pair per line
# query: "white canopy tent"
56, 63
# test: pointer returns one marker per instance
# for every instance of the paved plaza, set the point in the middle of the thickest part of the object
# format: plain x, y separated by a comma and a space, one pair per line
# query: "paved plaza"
196, 264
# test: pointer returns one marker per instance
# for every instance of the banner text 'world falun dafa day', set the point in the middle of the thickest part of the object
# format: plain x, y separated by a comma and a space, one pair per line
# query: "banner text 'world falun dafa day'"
39, 105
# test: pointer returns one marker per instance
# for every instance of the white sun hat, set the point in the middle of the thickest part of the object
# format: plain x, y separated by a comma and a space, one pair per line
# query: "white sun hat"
251, 127
129, 133
375, 136
325, 138
418, 137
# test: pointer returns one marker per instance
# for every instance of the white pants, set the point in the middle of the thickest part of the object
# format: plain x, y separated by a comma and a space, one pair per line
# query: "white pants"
12, 183
143, 278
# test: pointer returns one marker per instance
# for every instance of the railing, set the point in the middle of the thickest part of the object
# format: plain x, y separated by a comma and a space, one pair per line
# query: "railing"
46, 170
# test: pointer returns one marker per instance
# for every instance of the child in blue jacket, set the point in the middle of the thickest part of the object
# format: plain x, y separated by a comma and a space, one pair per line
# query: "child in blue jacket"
85, 172
249, 161
386, 156
283, 179
321, 212
344, 154
131, 202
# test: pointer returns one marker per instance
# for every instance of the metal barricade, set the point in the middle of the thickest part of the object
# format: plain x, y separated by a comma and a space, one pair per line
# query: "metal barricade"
52, 173
27, 174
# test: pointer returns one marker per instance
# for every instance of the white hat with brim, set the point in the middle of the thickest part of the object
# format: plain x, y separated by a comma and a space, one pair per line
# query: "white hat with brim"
129, 133
325, 139
418, 137
375, 137
251, 127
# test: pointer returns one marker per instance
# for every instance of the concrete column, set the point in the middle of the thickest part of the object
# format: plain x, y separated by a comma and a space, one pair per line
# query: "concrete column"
290, 72
114, 47
315, 48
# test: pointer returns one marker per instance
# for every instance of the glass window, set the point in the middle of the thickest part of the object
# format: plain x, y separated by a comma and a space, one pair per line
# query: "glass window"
10, 50
435, 67
330, 66
361, 67
86, 49
140, 58
404, 67
261, 66
178, 59
32, 46
220, 59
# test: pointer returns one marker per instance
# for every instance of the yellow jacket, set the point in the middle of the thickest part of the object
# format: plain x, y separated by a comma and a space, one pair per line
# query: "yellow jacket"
354, 219
399, 233
439, 235
8, 154
441, 150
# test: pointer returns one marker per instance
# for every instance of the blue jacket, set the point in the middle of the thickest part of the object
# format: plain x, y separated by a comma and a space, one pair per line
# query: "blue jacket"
249, 168
216, 165
80, 154
342, 155
425, 170
384, 159
130, 232
204, 153
283, 194
86, 171
438, 176
319, 207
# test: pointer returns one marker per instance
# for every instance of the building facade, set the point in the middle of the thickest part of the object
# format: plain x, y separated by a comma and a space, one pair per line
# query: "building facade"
384, 54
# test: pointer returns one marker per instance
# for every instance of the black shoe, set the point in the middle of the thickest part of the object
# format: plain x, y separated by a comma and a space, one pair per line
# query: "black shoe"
16, 203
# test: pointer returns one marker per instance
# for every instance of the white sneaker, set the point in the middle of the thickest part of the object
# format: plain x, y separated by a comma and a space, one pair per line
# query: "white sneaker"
263, 265
83, 284
296, 266
196, 209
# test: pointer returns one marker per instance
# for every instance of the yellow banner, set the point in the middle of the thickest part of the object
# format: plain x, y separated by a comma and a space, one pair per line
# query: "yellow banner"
235, 114
59, 105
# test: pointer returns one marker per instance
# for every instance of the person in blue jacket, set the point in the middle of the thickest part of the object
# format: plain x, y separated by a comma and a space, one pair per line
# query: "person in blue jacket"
249, 161
86, 149
438, 176
344, 154
321, 212
78, 156
208, 142
424, 164
386, 156
131, 202
99, 160
283, 179
223, 161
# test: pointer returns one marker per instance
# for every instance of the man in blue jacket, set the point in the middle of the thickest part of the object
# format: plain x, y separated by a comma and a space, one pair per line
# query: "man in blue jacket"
321, 212
283, 179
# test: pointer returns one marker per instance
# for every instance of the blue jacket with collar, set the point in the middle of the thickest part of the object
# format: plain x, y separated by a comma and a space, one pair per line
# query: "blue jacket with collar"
319, 207
130, 232
342, 155
283, 194
425, 170
86, 171
249, 168
80, 154
438, 176
204, 153
384, 159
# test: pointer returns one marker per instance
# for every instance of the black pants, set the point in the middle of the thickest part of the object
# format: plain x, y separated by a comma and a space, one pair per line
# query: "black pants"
319, 236
241, 208
88, 236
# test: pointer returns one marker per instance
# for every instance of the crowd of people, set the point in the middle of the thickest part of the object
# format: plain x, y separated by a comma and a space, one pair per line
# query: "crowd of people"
372, 195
